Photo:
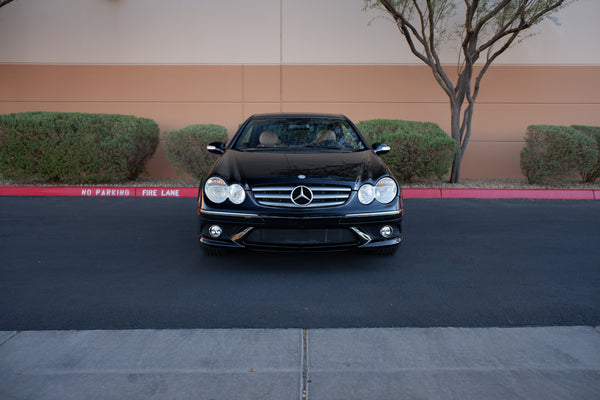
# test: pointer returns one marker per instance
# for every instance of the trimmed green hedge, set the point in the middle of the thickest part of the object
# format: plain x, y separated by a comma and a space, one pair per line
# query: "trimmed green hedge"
594, 133
420, 149
75, 148
554, 153
186, 148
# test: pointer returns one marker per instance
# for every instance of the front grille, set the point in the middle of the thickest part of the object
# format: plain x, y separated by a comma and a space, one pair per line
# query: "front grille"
282, 196
301, 237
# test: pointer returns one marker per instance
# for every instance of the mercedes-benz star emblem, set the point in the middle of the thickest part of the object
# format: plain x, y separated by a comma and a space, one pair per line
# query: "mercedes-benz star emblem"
302, 196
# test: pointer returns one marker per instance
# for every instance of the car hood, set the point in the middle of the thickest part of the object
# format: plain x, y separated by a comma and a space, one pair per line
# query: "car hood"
279, 167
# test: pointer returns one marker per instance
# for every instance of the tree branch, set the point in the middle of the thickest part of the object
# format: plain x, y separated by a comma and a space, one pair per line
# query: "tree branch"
4, 2
524, 23
491, 14
430, 57
400, 19
491, 59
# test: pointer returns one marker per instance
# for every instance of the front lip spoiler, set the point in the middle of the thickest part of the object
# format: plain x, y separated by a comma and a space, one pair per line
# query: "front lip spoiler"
233, 245
382, 243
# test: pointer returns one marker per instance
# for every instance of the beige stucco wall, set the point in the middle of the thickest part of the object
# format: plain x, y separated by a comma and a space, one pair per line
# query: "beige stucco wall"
176, 96
202, 61
251, 32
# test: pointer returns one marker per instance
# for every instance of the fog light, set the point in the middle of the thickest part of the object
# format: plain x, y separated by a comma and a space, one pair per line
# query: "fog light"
215, 231
386, 231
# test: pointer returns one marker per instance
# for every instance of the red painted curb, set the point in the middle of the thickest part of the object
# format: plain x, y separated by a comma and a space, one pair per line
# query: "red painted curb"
408, 193
65, 191
548, 194
166, 192
97, 191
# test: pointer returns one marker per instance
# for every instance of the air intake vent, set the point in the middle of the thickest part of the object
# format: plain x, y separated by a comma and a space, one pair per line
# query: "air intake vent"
301, 196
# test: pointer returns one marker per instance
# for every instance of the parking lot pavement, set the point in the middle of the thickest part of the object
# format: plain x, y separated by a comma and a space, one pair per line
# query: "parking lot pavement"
380, 363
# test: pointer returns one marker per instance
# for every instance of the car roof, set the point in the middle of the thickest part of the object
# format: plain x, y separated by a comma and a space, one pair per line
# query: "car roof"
298, 115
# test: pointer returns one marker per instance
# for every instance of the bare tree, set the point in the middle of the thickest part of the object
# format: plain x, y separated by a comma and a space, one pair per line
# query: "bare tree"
4, 2
488, 29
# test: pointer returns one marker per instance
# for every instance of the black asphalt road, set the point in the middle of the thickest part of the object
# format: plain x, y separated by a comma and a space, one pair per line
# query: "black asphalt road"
98, 263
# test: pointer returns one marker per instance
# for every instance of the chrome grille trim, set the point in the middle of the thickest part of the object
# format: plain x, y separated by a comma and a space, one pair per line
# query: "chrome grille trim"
281, 196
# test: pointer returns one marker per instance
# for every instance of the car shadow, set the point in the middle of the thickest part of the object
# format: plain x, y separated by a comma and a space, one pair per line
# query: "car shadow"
300, 261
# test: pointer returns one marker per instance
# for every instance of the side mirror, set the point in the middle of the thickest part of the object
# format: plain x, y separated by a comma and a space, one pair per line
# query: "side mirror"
380, 148
216, 148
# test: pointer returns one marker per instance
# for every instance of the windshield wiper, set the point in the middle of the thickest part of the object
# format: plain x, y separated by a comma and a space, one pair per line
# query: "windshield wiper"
318, 146
264, 149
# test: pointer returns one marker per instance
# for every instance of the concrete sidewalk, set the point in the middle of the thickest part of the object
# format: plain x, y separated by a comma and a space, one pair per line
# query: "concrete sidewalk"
327, 364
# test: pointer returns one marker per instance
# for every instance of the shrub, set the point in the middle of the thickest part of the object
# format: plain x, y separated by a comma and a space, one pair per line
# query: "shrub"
594, 133
75, 148
556, 152
186, 148
420, 149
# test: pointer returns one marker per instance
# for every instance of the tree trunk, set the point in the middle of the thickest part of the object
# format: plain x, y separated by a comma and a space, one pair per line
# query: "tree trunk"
455, 110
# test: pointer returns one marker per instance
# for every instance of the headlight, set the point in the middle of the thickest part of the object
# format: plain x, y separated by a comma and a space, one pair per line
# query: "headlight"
385, 190
237, 195
218, 191
366, 194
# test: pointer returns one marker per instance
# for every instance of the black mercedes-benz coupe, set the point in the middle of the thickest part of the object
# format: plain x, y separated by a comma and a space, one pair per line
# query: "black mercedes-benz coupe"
299, 182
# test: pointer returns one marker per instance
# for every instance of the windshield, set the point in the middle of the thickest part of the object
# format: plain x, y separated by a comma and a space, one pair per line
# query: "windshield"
298, 134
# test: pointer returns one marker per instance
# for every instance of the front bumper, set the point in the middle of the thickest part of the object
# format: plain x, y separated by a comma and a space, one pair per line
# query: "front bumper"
285, 232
